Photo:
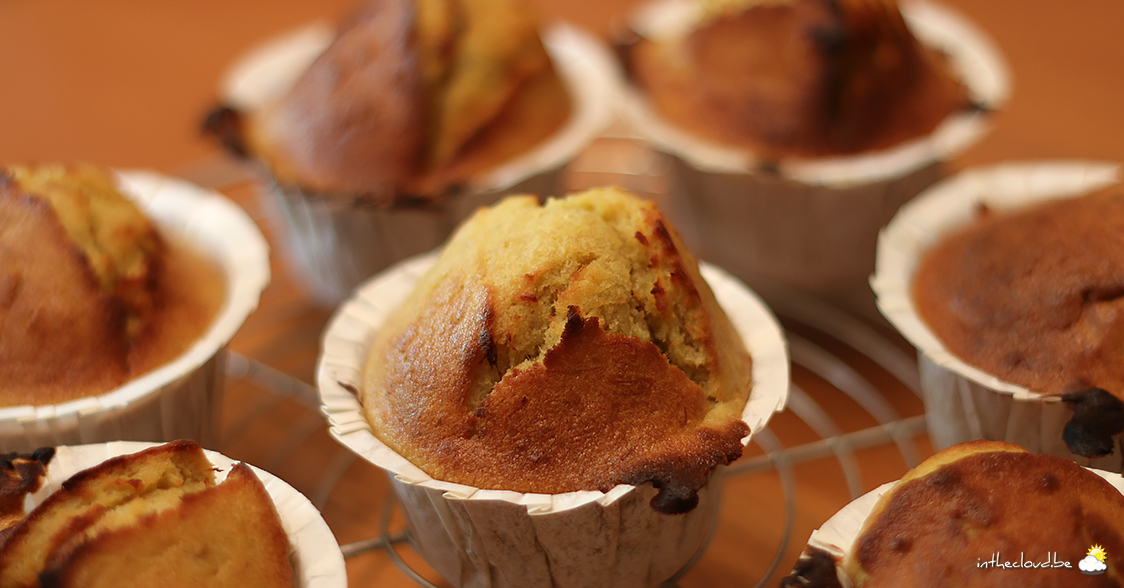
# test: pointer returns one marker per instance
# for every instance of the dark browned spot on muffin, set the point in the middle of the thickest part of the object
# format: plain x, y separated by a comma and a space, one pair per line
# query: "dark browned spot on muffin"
1098, 416
901, 544
815, 569
1048, 483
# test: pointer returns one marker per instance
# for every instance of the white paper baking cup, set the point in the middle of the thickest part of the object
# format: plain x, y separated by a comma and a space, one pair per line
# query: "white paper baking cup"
838, 534
963, 402
317, 560
493, 538
181, 399
812, 224
334, 245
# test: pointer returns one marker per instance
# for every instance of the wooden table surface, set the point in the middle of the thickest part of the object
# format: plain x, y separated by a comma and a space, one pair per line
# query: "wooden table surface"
124, 84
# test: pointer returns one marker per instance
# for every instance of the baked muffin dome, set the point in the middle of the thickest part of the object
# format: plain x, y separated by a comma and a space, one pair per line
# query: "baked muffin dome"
563, 346
798, 78
91, 295
156, 517
970, 501
412, 98
1035, 296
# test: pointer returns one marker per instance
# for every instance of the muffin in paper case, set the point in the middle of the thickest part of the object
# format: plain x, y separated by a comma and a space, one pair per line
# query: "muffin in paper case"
180, 399
963, 402
316, 556
822, 559
492, 538
812, 224
333, 244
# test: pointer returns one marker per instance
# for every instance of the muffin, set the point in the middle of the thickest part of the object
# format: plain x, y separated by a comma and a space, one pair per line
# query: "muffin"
798, 78
982, 513
410, 99
80, 258
118, 294
1033, 296
580, 382
1008, 282
794, 129
557, 332
416, 113
125, 514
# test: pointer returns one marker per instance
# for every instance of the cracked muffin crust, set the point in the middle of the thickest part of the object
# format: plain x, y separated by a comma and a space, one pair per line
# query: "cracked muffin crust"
563, 346
798, 78
412, 98
80, 258
155, 517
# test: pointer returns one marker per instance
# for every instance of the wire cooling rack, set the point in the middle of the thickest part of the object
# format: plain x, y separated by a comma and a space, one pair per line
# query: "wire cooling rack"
838, 360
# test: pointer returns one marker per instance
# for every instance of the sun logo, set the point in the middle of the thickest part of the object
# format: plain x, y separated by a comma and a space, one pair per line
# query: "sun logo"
1093, 564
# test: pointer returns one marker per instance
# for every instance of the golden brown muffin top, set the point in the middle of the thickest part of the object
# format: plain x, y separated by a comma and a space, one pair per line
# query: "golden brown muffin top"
90, 294
152, 517
565, 346
947, 517
411, 99
798, 78
116, 238
1034, 296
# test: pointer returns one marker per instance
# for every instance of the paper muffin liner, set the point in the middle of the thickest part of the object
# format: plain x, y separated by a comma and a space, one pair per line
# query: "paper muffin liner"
963, 402
490, 538
838, 534
180, 399
333, 246
316, 556
812, 224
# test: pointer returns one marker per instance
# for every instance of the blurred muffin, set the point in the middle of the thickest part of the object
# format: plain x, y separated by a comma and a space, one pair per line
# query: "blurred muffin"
945, 519
794, 129
415, 115
1034, 296
153, 517
798, 78
411, 99
91, 295
558, 347
1006, 279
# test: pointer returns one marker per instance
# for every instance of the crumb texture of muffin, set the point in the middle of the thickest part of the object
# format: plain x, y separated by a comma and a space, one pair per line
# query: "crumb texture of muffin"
798, 78
563, 346
413, 97
965, 504
79, 258
151, 518
1033, 296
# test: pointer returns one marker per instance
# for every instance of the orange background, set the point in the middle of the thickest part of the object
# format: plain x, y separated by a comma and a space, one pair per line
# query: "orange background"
124, 83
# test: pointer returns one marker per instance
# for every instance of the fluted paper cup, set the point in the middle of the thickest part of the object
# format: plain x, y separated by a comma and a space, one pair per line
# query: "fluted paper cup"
334, 245
812, 224
962, 402
181, 399
837, 535
317, 560
491, 538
